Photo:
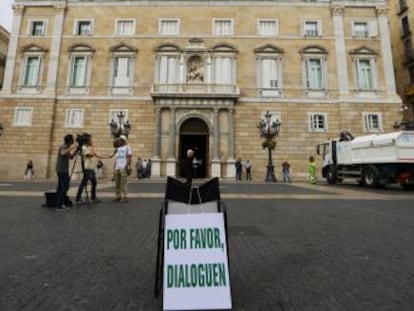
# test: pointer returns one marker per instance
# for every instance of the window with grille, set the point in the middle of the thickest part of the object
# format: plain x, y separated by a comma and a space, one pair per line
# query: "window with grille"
23, 116
83, 28
125, 27
74, 118
169, 27
37, 28
318, 122
372, 122
32, 71
311, 29
267, 27
222, 27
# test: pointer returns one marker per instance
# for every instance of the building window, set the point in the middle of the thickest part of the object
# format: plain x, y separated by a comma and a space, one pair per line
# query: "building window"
365, 74
32, 71
125, 27
74, 118
372, 122
83, 28
168, 69
169, 27
411, 74
408, 50
223, 70
318, 122
222, 27
364, 29
37, 28
269, 72
267, 27
405, 27
403, 5
312, 29
360, 29
122, 71
78, 71
23, 116
314, 73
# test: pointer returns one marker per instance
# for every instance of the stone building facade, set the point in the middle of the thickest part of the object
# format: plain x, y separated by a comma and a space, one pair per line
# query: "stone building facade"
195, 74
401, 25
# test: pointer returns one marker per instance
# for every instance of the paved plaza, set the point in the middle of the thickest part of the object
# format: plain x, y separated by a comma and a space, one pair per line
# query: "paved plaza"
292, 247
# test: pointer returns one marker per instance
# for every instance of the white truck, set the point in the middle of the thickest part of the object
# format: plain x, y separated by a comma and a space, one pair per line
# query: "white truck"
373, 160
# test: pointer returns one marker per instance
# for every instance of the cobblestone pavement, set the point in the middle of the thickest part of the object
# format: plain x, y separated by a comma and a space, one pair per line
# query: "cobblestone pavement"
292, 247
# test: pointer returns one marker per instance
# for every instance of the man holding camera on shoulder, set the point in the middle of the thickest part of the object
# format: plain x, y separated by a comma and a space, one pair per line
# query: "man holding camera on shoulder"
88, 168
66, 152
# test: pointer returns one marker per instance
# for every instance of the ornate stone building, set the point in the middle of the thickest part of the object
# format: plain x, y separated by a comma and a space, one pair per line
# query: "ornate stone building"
401, 22
194, 74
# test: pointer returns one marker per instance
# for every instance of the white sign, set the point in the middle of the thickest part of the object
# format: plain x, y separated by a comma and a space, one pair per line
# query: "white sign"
196, 272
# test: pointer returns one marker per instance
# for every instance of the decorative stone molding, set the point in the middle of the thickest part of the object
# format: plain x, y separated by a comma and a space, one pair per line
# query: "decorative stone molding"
337, 10
60, 7
381, 11
18, 9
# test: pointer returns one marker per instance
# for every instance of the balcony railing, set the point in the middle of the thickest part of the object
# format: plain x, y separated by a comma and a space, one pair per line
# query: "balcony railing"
195, 90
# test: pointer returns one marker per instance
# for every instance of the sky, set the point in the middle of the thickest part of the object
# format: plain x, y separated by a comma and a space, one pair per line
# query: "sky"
6, 13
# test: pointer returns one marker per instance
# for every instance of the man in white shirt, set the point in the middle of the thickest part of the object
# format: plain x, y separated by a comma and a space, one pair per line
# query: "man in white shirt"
122, 165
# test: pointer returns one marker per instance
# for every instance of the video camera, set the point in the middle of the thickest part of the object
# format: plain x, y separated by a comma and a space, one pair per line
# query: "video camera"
82, 139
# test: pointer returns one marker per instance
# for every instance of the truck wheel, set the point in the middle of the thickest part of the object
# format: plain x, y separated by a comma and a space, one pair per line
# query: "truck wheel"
330, 176
370, 177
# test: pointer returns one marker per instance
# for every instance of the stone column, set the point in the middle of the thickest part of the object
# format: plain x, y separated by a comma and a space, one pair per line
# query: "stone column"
386, 52
156, 159
12, 48
215, 162
340, 51
55, 48
171, 161
230, 171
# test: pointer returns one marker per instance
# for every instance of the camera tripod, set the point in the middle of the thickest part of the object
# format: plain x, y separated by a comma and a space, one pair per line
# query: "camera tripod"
80, 152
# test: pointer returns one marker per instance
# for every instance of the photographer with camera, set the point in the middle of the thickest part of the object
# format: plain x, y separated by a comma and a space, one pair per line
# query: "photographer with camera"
87, 151
66, 152
122, 168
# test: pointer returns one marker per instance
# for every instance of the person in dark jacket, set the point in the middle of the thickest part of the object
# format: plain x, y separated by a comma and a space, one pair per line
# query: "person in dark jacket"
188, 167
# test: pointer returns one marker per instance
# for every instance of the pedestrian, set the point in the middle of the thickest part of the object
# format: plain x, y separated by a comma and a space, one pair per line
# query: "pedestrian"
99, 169
286, 171
88, 170
29, 172
123, 160
248, 168
144, 168
312, 170
149, 168
188, 167
66, 151
239, 167
138, 168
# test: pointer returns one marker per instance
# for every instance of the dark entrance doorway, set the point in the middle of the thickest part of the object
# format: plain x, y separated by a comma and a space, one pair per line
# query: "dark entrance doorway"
194, 135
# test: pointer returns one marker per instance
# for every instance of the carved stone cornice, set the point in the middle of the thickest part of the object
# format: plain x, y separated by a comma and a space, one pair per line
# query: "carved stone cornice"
18, 9
337, 10
60, 7
381, 11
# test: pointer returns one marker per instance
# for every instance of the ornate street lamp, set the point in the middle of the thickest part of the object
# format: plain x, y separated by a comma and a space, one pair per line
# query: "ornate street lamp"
122, 129
269, 131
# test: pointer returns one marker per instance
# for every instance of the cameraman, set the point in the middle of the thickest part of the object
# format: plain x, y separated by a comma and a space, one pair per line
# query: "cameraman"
88, 168
66, 151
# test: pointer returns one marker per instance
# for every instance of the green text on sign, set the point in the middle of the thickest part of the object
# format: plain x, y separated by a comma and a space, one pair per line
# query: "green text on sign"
196, 275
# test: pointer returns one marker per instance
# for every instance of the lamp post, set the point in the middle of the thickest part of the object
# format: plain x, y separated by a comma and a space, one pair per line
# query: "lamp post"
269, 131
122, 128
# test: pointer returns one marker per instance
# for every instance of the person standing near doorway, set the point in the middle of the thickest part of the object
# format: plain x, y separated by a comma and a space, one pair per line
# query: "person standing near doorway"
188, 167
248, 167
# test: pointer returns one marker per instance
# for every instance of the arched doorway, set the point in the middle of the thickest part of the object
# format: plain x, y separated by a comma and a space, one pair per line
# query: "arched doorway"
194, 135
